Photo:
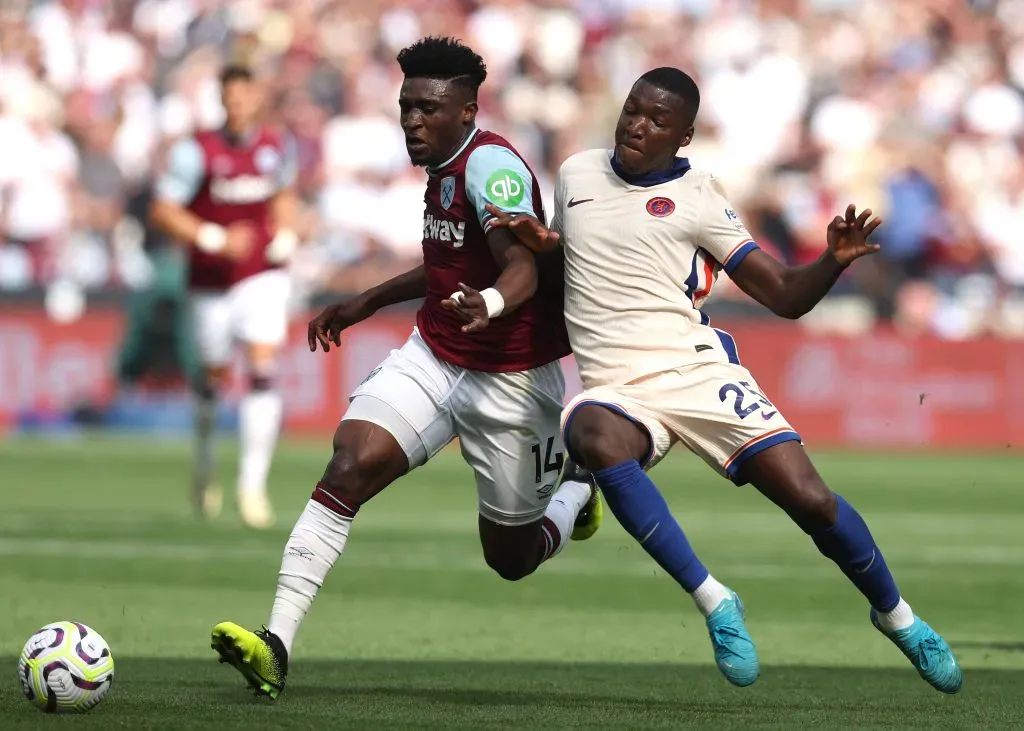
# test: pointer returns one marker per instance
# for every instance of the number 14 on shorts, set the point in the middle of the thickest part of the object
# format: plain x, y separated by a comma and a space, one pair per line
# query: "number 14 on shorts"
549, 464
746, 399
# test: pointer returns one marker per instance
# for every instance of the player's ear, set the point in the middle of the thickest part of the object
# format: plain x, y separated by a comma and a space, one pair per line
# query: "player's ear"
469, 111
687, 137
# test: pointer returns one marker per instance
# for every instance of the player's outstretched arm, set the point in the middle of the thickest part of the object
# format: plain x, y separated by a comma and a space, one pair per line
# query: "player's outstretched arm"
326, 328
516, 283
792, 292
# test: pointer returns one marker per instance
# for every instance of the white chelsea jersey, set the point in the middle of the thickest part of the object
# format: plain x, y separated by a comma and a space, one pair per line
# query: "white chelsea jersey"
640, 260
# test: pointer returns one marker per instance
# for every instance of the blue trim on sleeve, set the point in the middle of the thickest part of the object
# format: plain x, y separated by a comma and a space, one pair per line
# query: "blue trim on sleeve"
186, 168
739, 255
483, 162
618, 410
757, 448
288, 173
728, 345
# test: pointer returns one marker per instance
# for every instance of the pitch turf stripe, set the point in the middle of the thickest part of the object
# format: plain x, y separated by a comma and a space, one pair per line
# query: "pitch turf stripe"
926, 563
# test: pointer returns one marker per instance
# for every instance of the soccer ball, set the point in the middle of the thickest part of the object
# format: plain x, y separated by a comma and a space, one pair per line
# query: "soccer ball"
66, 667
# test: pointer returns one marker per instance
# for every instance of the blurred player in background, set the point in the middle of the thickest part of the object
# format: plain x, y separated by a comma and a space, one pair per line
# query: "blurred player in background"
227, 194
644, 238
498, 389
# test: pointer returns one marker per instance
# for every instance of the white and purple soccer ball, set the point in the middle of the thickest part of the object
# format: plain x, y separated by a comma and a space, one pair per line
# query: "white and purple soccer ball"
66, 667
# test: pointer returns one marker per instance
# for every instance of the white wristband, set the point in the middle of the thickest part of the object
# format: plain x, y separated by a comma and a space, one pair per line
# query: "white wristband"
211, 238
492, 298
495, 302
282, 246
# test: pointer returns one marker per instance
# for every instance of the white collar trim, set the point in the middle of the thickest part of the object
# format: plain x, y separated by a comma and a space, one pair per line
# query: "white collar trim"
458, 152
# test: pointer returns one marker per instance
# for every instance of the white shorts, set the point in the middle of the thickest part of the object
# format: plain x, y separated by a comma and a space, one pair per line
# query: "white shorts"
253, 311
715, 409
507, 424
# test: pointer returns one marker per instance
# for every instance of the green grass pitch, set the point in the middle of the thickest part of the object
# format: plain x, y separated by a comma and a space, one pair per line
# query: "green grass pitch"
412, 631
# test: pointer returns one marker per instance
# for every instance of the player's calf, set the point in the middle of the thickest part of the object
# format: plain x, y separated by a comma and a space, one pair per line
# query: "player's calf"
516, 551
785, 475
206, 494
599, 436
366, 460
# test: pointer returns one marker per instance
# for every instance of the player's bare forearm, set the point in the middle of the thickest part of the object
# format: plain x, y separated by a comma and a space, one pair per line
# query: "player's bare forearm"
789, 292
518, 279
403, 288
175, 221
285, 208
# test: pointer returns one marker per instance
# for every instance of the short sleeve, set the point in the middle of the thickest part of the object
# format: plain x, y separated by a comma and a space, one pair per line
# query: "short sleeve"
183, 177
288, 172
496, 175
722, 233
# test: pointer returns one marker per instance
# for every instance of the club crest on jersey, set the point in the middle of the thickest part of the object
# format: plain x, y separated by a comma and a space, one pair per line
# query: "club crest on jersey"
447, 192
660, 207
266, 159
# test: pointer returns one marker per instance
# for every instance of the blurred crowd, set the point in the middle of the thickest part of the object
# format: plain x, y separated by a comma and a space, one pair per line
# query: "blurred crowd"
914, 108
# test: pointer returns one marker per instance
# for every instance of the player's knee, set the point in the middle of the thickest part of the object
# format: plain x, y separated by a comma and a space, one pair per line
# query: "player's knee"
363, 464
599, 452
214, 378
510, 568
351, 475
209, 383
204, 389
260, 382
815, 506
596, 440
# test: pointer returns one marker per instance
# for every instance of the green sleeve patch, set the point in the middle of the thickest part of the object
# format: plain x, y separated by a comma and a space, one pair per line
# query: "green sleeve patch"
505, 188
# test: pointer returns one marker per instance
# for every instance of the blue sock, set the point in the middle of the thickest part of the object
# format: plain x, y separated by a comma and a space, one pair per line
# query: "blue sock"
849, 543
643, 512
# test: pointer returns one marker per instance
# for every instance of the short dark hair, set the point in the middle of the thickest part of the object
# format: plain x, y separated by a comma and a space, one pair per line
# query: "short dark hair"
235, 72
443, 58
676, 82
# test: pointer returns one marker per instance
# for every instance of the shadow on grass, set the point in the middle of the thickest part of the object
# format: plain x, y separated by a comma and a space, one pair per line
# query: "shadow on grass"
180, 694
998, 646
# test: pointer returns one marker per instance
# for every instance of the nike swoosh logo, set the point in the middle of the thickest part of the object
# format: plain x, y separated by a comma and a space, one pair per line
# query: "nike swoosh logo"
573, 202
870, 564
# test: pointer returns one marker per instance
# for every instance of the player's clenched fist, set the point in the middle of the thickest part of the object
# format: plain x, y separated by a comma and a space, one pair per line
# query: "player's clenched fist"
528, 230
326, 328
847, 238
